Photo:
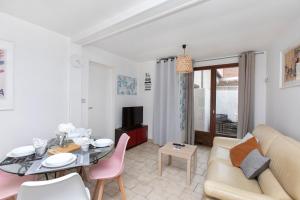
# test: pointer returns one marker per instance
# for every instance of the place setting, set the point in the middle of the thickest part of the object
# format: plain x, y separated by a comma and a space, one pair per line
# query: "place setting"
71, 148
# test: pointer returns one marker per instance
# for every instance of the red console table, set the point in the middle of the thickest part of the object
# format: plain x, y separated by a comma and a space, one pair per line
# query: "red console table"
137, 135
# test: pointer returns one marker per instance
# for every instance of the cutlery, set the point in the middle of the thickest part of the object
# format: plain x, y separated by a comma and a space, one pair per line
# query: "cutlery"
40, 167
77, 156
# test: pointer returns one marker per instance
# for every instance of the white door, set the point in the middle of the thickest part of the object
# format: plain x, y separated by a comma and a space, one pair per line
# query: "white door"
100, 112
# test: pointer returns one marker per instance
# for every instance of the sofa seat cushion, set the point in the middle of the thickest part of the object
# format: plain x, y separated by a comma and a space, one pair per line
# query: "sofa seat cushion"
270, 186
220, 191
231, 176
220, 154
225, 142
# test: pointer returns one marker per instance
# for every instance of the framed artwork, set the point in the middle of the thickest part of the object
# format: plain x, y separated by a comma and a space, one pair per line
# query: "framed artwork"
290, 68
126, 85
148, 83
6, 75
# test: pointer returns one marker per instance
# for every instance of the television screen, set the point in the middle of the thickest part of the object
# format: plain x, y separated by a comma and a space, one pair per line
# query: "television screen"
132, 117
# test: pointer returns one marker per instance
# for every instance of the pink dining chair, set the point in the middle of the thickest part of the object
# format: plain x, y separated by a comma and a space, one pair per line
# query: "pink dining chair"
111, 168
10, 184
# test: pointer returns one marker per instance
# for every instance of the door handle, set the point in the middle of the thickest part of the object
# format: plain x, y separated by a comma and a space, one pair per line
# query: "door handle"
90, 108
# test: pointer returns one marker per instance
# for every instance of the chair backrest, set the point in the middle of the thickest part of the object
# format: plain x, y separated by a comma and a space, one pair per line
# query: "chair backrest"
67, 187
121, 148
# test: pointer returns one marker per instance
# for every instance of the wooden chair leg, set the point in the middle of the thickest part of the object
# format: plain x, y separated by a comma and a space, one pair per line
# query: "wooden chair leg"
122, 188
98, 193
96, 190
12, 198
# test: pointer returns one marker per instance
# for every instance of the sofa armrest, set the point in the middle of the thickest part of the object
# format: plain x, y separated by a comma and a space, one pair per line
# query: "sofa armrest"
226, 192
226, 142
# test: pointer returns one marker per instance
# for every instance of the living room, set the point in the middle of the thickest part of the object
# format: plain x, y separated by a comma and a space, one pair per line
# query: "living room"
198, 73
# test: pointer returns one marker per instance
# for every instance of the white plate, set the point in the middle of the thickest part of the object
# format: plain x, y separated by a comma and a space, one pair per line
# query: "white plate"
59, 160
103, 143
21, 151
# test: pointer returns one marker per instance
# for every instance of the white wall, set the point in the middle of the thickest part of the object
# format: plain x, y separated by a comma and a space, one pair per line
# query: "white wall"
146, 97
283, 108
40, 81
119, 66
75, 80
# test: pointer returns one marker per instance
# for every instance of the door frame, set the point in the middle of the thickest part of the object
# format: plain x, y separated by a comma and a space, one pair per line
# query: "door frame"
208, 139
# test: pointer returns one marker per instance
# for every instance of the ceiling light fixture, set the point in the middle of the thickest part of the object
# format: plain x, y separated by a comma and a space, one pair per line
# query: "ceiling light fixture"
184, 63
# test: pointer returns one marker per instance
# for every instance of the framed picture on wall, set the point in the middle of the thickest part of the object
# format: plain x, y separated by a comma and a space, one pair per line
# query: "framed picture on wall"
290, 67
6, 75
126, 85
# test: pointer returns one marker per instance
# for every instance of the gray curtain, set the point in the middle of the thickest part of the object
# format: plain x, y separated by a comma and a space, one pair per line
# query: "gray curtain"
246, 93
166, 119
190, 132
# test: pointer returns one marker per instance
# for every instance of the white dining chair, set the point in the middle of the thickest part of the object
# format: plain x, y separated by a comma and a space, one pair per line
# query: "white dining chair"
69, 187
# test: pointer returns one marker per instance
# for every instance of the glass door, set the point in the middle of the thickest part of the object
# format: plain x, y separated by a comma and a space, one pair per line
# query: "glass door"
202, 106
227, 101
215, 102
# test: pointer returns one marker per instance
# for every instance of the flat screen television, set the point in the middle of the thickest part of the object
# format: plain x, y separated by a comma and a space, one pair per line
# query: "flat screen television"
132, 117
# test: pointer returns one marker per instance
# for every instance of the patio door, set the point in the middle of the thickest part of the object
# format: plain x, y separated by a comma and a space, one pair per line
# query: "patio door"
215, 102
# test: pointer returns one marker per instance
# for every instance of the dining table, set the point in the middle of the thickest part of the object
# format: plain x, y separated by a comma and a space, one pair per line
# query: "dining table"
23, 165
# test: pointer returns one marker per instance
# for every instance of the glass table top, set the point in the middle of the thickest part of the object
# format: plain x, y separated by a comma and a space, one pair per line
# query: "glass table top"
21, 168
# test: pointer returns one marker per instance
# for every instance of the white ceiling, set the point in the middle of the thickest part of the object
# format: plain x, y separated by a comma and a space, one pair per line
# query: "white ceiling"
67, 17
143, 32
215, 28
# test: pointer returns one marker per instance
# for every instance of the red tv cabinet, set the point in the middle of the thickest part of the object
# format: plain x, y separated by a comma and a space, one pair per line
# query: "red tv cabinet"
137, 135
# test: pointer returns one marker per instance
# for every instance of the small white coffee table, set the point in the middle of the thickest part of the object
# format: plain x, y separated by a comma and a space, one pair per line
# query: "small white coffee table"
189, 153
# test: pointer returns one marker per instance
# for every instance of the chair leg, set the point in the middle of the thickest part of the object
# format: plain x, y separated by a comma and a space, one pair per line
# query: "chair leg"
98, 193
121, 186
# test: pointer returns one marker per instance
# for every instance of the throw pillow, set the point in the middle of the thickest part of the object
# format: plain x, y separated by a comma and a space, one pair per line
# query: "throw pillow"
239, 152
247, 137
254, 164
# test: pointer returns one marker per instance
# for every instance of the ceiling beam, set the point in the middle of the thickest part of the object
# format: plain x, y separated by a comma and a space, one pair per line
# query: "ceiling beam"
137, 16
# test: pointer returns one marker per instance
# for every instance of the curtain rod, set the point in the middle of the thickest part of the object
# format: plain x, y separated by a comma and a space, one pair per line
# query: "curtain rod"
165, 59
221, 58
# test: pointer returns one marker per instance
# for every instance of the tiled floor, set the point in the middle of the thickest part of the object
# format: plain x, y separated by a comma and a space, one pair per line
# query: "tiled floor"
142, 181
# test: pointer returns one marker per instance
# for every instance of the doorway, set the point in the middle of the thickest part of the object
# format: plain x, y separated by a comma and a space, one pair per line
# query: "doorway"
215, 102
100, 101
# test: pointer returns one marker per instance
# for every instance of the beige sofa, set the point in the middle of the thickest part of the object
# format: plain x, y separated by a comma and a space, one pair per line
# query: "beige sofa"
280, 181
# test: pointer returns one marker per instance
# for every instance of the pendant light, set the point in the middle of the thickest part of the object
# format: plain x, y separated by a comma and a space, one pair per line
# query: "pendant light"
184, 63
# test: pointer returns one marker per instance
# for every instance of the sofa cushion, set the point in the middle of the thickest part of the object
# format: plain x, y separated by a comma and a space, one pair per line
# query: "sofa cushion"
285, 164
232, 176
265, 135
239, 152
219, 153
225, 142
270, 186
254, 164
222, 191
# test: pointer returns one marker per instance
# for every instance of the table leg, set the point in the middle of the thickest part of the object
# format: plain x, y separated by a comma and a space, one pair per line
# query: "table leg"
188, 172
159, 163
83, 174
169, 160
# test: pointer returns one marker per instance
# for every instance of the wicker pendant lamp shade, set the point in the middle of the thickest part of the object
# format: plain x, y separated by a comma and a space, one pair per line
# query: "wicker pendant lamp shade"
184, 63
